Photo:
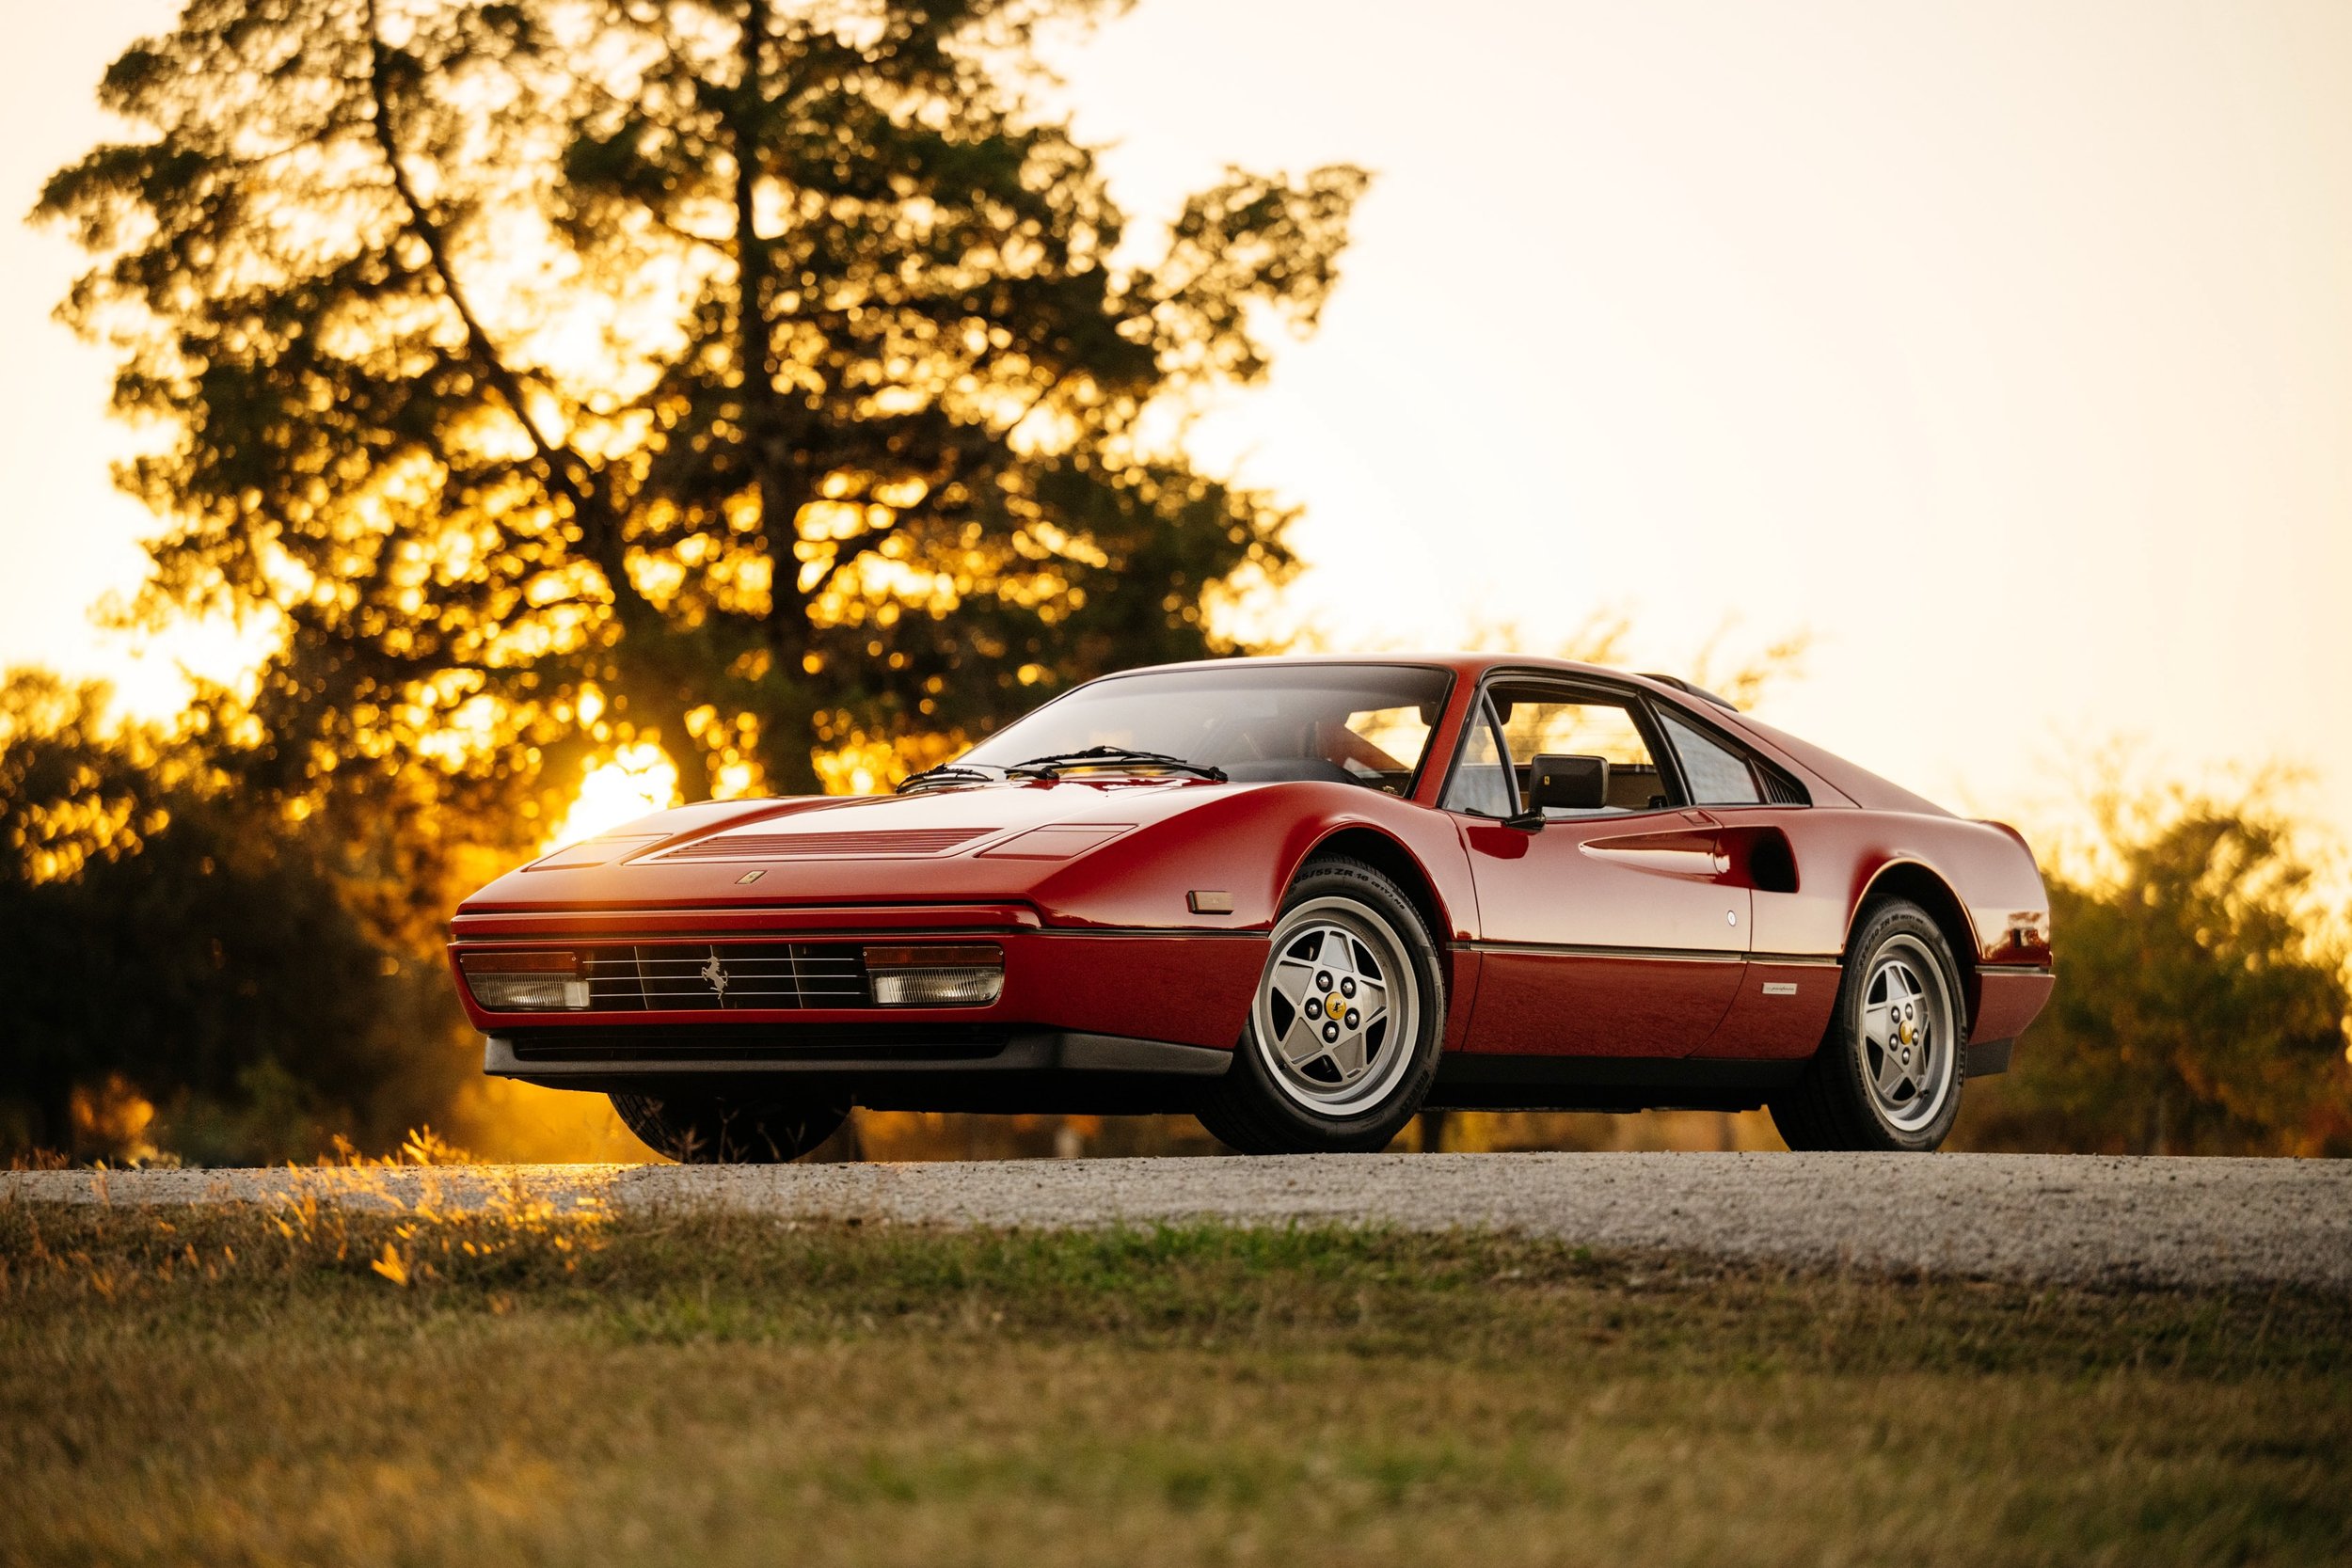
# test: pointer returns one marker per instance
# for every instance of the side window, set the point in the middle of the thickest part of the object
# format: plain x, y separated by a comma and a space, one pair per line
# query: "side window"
1535, 722
1482, 783
1719, 776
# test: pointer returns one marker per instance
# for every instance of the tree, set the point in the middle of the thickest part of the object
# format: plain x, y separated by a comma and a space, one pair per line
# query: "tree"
165, 940
770, 379
2202, 1003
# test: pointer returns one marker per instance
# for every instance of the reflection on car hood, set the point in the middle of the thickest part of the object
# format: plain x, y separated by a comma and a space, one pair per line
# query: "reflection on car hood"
932, 845
930, 822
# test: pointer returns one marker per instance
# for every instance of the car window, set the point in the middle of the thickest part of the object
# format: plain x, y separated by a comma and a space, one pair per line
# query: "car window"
1260, 722
1536, 723
1482, 785
1718, 775
1531, 726
1378, 744
1534, 720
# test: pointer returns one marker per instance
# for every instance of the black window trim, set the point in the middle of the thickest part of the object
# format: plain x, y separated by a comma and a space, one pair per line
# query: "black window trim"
1482, 716
1635, 701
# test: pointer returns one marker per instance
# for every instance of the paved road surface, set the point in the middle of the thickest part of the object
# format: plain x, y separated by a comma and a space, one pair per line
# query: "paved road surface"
2048, 1217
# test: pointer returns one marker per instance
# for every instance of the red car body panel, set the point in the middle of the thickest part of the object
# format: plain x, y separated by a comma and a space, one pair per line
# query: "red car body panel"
1592, 934
1677, 935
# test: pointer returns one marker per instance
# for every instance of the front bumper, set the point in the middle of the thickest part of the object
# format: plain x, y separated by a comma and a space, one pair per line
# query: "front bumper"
883, 1066
1185, 987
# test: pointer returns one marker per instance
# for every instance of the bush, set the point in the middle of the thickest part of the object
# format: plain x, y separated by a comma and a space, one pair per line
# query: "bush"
2200, 1005
180, 968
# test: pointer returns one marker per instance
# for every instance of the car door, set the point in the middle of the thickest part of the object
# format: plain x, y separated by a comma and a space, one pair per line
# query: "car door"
1797, 896
1613, 932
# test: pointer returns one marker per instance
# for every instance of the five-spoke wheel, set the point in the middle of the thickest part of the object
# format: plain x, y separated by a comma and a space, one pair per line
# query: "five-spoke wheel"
1908, 1049
1337, 993
1342, 1033
1888, 1074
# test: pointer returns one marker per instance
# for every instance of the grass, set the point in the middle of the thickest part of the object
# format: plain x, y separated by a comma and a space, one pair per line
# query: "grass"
306, 1384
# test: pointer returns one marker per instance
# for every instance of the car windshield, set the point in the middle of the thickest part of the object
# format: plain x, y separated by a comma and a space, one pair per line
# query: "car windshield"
1365, 724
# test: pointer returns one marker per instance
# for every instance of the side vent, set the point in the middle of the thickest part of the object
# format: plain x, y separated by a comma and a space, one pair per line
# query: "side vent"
1772, 864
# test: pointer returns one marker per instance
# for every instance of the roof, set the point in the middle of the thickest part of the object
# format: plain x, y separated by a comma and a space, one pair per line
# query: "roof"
1459, 661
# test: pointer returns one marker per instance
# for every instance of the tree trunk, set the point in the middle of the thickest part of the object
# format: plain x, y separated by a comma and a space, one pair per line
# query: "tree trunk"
788, 736
2153, 1131
693, 765
53, 1105
1432, 1131
788, 744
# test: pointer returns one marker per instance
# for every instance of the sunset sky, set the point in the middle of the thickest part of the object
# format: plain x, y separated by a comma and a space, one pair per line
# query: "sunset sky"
2008, 348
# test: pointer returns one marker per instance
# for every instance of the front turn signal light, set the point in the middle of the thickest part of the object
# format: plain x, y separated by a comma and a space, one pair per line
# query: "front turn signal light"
526, 982
928, 976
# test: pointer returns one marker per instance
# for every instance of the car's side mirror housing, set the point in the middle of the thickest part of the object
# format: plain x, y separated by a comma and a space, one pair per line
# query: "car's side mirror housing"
1561, 782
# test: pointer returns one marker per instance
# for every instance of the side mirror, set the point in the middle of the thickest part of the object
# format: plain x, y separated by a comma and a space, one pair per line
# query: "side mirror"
1568, 783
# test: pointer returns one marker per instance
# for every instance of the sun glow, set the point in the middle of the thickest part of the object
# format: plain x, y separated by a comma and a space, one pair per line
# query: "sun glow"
639, 779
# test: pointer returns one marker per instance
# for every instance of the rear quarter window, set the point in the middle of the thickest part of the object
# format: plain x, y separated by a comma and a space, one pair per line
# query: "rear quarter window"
1718, 775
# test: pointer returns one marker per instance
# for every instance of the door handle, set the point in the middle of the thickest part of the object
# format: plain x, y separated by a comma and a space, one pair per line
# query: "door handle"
1683, 851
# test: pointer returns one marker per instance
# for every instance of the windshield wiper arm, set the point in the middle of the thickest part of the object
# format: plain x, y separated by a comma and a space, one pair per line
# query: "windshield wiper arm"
1050, 766
945, 773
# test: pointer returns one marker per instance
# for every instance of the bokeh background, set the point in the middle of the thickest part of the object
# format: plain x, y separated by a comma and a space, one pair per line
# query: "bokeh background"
1965, 384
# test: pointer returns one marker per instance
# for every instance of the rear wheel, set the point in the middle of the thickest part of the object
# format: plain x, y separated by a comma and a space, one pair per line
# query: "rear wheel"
1345, 1026
1889, 1073
709, 1130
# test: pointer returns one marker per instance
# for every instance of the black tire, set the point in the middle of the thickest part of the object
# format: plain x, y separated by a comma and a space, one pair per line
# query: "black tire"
1260, 1106
1837, 1104
709, 1130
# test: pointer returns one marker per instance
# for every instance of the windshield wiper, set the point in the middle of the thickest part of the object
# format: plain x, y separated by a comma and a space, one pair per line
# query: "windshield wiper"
1051, 765
945, 773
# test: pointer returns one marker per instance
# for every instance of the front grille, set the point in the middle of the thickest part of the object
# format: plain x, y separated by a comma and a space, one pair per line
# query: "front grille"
673, 976
908, 841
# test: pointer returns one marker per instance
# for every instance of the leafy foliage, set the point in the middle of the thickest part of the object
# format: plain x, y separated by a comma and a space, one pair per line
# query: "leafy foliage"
774, 380
2196, 1011
164, 942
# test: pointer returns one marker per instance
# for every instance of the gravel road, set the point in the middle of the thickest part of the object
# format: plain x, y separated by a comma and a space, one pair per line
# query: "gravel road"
2077, 1219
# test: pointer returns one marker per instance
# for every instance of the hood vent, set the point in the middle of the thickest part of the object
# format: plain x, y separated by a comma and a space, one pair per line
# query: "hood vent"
774, 847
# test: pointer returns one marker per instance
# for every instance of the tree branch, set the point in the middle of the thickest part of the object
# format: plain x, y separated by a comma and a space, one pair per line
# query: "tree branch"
756, 348
561, 464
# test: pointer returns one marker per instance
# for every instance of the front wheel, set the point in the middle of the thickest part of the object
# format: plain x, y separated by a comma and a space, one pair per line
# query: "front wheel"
1888, 1075
707, 1129
1345, 1026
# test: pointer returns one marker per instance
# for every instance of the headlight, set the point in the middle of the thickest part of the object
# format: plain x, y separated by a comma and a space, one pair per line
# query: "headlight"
935, 976
525, 982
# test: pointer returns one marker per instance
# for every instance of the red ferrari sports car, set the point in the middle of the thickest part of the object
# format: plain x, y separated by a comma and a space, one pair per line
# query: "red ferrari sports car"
1300, 898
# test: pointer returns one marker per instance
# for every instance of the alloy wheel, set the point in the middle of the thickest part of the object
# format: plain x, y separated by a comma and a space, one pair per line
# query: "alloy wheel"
1909, 1046
1338, 1009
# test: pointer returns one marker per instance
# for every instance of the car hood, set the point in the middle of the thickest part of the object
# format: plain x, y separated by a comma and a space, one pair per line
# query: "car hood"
976, 842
